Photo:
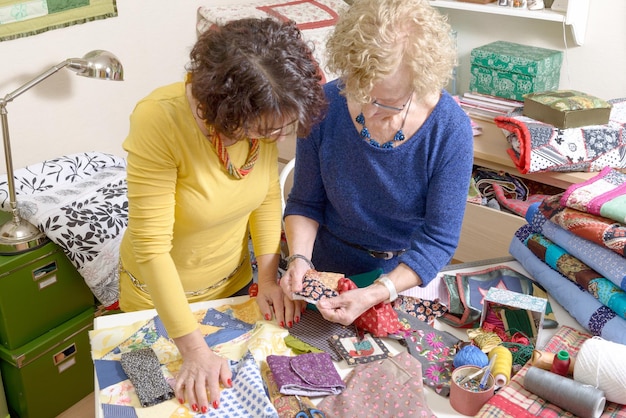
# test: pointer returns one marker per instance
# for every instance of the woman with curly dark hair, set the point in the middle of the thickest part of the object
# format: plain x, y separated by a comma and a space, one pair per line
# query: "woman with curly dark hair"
203, 177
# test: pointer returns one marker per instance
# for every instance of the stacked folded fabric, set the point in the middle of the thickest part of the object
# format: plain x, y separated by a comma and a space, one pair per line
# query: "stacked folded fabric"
574, 244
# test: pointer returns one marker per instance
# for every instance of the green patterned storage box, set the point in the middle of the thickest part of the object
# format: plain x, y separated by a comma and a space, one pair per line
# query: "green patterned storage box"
511, 70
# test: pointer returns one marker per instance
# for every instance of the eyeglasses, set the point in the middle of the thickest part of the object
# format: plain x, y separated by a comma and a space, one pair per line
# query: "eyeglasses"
392, 108
285, 130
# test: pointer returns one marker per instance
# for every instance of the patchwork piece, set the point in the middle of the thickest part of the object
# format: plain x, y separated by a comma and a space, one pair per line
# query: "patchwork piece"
25, 18
244, 344
356, 350
513, 401
434, 349
603, 195
584, 308
424, 310
601, 259
392, 388
313, 329
604, 290
287, 406
597, 229
537, 146
315, 18
79, 201
312, 374
317, 285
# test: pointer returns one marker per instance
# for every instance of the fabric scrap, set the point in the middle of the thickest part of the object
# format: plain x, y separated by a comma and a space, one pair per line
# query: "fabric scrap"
389, 388
144, 371
311, 374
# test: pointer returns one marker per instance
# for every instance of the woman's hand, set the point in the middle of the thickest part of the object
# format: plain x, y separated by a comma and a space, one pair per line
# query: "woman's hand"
292, 279
273, 302
348, 306
202, 372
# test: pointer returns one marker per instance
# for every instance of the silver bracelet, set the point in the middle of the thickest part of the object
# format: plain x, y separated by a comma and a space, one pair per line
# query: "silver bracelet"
386, 281
300, 256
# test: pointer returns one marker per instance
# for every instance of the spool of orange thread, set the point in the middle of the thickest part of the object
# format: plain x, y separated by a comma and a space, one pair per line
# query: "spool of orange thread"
501, 369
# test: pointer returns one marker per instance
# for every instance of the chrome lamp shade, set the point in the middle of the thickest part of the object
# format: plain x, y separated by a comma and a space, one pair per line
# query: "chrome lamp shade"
17, 235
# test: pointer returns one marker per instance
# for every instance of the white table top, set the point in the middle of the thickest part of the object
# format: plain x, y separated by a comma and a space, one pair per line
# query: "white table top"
438, 404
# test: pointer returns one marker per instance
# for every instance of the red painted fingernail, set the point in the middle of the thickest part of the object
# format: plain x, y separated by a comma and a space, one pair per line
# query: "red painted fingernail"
215, 404
230, 383
282, 324
267, 317
204, 409
194, 407
297, 319
290, 324
182, 401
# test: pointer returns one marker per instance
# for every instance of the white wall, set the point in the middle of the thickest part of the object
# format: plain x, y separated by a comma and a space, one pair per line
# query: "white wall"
68, 114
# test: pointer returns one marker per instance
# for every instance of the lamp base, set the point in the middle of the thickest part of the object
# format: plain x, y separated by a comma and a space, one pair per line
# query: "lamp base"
19, 236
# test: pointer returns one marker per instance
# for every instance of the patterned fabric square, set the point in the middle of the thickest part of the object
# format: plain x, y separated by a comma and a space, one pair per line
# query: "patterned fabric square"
313, 329
389, 388
434, 349
311, 374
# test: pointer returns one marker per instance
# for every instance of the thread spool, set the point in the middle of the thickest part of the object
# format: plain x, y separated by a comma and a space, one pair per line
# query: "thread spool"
543, 359
600, 363
560, 363
582, 400
470, 355
501, 369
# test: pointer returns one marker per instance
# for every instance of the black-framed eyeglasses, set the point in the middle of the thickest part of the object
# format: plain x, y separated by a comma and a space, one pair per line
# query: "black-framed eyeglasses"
392, 108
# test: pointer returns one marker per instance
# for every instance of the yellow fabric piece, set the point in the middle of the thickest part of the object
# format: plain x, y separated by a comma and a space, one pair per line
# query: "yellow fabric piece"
247, 311
265, 339
188, 219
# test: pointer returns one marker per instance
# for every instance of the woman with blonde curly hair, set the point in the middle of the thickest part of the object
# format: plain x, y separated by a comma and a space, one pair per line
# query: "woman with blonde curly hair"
381, 182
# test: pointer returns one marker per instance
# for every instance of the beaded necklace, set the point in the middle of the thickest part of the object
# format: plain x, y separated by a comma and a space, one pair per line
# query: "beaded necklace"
222, 153
399, 136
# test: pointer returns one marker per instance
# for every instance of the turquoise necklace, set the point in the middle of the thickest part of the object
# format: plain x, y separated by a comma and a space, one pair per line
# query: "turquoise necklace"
399, 136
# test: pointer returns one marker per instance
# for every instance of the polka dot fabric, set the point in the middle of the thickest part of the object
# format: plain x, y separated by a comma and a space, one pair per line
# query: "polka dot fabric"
388, 388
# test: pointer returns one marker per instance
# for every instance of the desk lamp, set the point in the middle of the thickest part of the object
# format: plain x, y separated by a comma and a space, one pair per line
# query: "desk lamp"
18, 235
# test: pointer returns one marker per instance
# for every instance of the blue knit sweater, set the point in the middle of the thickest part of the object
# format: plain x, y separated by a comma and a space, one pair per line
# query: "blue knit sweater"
410, 197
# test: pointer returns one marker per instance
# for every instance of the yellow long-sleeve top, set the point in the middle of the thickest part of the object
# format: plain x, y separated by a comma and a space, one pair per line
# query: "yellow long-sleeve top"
188, 219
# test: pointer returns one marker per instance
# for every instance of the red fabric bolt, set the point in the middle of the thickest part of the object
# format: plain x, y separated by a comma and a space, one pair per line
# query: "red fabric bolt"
379, 320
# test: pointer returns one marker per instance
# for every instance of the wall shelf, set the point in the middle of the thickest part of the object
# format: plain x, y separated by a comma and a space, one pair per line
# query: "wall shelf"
575, 17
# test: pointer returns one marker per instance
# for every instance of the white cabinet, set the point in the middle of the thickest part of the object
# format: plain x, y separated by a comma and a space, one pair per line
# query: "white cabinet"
575, 17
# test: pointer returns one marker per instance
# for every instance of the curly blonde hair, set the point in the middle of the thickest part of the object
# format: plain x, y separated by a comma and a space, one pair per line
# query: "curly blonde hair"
373, 37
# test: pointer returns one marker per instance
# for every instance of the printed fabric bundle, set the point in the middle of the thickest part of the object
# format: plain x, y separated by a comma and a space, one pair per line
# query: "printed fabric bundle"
537, 146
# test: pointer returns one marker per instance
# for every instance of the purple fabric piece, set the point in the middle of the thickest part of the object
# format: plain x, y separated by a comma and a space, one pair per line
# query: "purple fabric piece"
310, 374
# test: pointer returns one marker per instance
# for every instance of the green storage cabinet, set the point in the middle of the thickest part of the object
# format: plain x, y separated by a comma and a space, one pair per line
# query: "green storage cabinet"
4, 410
511, 70
51, 373
39, 290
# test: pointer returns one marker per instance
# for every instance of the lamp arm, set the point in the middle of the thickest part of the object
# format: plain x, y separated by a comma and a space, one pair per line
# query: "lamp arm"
32, 83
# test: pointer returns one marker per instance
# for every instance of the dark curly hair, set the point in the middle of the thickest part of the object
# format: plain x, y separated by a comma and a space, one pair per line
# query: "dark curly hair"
252, 71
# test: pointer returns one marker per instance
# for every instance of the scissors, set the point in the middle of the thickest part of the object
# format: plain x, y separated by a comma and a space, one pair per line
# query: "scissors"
306, 412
